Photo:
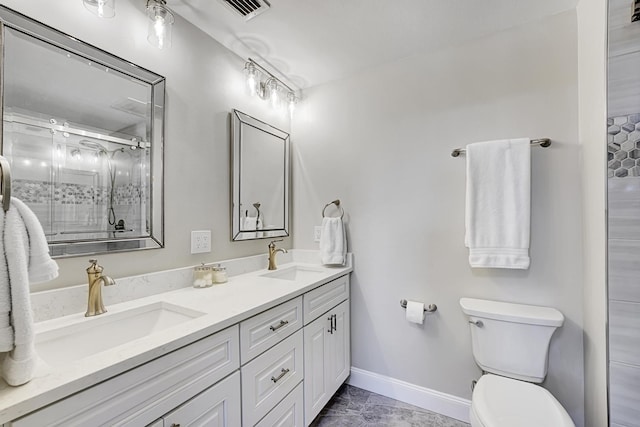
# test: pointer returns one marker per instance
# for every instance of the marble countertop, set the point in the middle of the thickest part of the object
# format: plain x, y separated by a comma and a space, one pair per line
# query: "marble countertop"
223, 305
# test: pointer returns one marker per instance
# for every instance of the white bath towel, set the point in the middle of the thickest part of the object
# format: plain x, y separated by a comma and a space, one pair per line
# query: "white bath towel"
23, 251
333, 242
498, 203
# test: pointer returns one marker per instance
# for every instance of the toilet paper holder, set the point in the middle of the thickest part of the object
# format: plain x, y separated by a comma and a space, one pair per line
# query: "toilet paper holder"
428, 309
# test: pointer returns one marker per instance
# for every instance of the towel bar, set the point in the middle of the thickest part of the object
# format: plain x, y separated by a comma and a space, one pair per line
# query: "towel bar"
429, 309
337, 203
543, 142
5, 189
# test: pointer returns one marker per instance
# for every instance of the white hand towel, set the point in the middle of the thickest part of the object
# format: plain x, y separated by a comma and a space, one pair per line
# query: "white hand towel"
498, 203
41, 267
251, 223
24, 251
333, 242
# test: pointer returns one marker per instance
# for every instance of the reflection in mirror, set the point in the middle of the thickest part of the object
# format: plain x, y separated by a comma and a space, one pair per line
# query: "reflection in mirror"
82, 130
260, 176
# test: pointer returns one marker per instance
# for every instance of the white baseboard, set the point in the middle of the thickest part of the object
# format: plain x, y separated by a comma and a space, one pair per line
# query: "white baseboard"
422, 397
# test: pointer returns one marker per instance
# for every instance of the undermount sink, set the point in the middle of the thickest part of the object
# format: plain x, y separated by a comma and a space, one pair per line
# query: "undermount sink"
293, 273
92, 335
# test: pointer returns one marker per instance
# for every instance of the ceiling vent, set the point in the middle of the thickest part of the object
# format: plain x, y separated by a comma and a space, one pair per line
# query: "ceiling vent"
248, 9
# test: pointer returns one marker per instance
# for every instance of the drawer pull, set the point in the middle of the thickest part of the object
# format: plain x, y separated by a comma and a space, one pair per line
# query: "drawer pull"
279, 325
175, 425
283, 372
330, 319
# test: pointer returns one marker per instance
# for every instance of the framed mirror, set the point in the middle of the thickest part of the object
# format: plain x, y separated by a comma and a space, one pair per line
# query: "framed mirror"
83, 132
260, 179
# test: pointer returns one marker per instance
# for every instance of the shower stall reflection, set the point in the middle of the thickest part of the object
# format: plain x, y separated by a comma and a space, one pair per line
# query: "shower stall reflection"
81, 189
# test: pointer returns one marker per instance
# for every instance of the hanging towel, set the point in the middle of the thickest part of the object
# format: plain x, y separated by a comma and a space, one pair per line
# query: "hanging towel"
24, 253
333, 242
251, 223
498, 203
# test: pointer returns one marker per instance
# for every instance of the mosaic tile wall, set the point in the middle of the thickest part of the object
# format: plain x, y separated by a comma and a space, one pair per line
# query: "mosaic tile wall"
74, 194
623, 146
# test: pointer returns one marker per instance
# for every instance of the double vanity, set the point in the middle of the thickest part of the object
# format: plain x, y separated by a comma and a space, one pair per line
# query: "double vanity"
267, 348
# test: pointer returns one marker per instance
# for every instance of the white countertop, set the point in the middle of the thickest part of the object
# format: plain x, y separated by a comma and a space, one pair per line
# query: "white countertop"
224, 305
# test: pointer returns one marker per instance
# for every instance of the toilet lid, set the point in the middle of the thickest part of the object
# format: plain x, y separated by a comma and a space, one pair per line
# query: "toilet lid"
505, 402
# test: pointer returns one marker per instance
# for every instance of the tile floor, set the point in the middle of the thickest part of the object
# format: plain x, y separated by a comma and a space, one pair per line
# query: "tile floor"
354, 407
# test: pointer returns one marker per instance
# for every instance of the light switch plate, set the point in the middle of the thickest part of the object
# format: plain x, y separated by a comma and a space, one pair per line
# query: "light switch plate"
200, 241
317, 231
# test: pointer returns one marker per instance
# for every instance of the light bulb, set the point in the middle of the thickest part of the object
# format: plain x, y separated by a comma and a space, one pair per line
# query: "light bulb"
273, 94
160, 32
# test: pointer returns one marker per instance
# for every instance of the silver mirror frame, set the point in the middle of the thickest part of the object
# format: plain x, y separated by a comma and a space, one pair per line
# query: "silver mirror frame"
18, 22
239, 119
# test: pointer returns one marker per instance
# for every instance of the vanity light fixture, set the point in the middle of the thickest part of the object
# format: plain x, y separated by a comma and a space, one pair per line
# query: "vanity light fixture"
101, 8
268, 87
161, 20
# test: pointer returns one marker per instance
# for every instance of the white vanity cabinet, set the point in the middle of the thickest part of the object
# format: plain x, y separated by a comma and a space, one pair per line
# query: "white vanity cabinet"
327, 345
148, 392
271, 350
276, 368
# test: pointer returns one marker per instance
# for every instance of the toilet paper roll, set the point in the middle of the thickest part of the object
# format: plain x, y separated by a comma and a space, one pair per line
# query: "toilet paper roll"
415, 312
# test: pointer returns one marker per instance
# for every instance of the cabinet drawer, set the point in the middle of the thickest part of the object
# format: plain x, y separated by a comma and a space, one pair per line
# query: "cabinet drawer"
218, 406
268, 378
288, 413
324, 298
144, 394
263, 331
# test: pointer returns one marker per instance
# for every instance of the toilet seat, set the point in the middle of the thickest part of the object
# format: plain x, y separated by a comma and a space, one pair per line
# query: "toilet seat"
505, 402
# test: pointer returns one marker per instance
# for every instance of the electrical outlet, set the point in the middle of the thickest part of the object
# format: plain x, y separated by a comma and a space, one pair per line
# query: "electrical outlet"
200, 241
317, 231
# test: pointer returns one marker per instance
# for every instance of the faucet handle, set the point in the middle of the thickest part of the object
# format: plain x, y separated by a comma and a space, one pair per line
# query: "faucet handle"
94, 267
273, 243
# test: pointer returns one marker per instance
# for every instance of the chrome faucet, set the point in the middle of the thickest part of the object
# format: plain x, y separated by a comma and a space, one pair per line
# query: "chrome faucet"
95, 305
272, 254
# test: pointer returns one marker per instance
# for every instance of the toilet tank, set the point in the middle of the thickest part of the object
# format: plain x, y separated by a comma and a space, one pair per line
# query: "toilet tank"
511, 340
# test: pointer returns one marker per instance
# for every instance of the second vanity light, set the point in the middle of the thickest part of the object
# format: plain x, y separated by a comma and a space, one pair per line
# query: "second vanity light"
268, 87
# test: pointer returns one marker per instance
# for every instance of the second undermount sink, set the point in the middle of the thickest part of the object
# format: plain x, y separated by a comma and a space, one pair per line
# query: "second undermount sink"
294, 273
92, 335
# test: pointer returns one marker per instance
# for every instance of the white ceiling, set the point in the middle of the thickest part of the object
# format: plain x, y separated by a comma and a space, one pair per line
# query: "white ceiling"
315, 41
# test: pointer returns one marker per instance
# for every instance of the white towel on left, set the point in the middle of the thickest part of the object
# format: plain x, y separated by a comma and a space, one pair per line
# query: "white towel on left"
498, 203
24, 252
333, 242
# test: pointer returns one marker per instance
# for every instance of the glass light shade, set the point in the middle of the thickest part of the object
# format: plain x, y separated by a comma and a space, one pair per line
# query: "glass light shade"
101, 8
274, 96
160, 23
252, 78
292, 101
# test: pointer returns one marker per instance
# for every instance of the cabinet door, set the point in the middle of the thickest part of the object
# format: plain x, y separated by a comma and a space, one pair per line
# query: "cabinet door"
316, 389
327, 358
339, 348
218, 406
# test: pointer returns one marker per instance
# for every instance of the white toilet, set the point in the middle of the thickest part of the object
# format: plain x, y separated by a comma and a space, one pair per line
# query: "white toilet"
511, 344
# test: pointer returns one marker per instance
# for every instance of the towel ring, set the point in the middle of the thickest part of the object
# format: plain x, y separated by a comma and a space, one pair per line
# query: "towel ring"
5, 190
335, 202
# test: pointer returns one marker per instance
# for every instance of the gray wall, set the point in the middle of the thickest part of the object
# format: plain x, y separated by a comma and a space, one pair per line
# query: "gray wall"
381, 142
204, 82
